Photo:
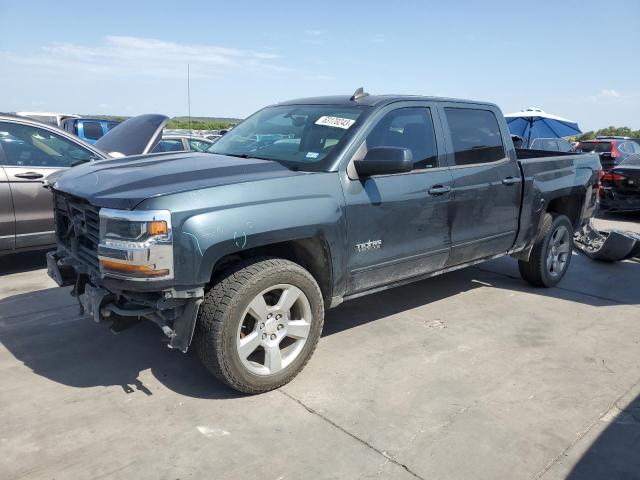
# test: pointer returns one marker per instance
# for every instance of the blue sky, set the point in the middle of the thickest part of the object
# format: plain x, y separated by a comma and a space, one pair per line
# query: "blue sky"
577, 59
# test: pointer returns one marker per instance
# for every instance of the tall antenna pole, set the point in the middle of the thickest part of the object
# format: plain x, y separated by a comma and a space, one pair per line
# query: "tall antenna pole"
189, 98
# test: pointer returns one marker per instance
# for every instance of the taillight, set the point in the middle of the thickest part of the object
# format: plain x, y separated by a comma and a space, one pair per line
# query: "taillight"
599, 184
612, 177
614, 150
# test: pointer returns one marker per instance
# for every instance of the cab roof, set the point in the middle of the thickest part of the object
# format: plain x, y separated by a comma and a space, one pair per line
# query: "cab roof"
373, 100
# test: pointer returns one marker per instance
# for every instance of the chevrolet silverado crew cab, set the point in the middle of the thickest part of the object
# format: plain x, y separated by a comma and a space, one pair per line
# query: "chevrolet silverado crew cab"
305, 204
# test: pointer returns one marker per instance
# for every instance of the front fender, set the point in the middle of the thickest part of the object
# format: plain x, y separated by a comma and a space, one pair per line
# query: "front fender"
211, 223
207, 237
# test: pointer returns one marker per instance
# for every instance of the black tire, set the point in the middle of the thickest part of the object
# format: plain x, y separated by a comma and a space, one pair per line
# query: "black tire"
535, 270
220, 317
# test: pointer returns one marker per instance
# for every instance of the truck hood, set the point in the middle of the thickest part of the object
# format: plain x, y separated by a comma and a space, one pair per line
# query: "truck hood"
125, 182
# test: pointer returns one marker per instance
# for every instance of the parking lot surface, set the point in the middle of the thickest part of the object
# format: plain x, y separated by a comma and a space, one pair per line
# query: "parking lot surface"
472, 374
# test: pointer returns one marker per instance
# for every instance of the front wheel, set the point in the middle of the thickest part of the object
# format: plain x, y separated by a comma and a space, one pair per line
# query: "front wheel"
259, 324
551, 253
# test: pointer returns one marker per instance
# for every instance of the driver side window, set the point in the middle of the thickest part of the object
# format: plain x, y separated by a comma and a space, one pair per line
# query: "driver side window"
411, 128
28, 146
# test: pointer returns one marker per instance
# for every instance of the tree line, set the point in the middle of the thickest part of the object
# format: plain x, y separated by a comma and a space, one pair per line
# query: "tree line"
609, 131
198, 124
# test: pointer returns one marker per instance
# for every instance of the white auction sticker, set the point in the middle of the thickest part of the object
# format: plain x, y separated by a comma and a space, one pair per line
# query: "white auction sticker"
336, 122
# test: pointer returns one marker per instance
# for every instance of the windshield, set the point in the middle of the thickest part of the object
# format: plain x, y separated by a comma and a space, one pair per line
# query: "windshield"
631, 161
303, 137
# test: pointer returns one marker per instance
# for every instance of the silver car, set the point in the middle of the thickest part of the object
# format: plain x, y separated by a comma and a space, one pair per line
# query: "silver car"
31, 151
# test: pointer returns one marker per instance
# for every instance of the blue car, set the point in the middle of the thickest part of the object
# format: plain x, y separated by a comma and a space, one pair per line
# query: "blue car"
88, 129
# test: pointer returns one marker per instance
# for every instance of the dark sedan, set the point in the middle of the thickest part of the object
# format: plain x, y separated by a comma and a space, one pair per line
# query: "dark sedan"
620, 190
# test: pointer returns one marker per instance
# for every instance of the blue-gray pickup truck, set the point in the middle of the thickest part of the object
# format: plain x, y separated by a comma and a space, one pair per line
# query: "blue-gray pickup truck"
306, 204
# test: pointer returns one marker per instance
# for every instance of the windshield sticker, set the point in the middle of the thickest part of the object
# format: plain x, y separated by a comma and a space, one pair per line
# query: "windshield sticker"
312, 154
336, 122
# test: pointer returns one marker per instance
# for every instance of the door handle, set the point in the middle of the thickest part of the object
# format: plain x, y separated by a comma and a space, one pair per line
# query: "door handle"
510, 180
29, 175
439, 190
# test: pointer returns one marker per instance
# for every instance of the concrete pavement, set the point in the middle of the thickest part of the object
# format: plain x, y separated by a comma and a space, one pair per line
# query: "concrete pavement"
469, 375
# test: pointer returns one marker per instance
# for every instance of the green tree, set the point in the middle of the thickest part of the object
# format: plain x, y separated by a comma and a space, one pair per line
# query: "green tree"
198, 124
610, 131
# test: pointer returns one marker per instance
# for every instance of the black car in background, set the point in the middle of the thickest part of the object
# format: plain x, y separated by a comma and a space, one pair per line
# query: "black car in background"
612, 150
620, 186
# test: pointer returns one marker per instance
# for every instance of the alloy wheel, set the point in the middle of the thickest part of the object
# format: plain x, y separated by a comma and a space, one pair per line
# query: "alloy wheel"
559, 251
274, 329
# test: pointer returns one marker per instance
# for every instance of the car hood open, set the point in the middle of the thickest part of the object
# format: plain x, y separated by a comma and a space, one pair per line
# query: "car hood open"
125, 182
135, 136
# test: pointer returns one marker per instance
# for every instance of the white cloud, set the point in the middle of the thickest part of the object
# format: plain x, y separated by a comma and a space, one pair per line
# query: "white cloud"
315, 33
610, 96
377, 38
126, 56
609, 92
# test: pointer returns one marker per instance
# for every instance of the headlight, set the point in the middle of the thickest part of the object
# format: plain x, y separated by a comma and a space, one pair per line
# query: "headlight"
116, 230
136, 245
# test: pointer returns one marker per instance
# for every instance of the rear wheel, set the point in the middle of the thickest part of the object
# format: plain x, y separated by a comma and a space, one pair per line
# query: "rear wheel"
551, 253
259, 324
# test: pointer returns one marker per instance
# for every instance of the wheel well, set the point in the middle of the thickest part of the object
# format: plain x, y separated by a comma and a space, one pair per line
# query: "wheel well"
569, 205
310, 253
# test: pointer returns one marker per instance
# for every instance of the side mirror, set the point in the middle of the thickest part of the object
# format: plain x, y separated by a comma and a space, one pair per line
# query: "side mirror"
385, 160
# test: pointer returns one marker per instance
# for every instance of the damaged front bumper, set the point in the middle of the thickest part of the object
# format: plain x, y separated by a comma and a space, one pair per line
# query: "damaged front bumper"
174, 310
607, 246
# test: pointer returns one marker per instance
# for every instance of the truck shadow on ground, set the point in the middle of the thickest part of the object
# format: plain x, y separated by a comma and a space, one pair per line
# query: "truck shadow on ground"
614, 453
42, 329
589, 282
66, 348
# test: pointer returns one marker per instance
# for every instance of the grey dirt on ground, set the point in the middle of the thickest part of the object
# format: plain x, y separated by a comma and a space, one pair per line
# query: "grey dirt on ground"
473, 374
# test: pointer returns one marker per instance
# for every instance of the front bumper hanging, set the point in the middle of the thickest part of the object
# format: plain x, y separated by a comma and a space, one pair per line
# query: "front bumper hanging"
174, 311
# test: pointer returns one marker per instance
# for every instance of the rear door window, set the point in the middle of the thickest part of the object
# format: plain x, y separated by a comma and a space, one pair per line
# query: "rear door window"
475, 136
410, 127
